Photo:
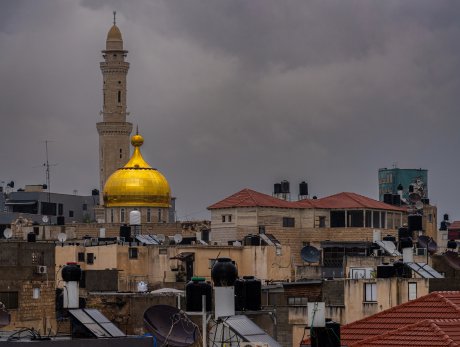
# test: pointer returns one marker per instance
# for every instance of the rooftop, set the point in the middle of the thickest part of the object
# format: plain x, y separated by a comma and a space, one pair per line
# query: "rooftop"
251, 198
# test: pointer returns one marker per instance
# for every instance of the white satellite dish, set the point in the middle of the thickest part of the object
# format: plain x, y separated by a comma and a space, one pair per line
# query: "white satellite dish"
161, 237
45, 219
62, 237
419, 205
178, 238
8, 233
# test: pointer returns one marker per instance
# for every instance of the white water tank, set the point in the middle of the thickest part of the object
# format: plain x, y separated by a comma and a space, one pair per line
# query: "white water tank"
142, 287
134, 218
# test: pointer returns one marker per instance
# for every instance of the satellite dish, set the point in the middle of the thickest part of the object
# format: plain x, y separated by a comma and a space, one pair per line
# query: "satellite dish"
45, 219
419, 205
414, 197
178, 238
310, 254
161, 237
8, 233
452, 259
62, 237
422, 241
167, 322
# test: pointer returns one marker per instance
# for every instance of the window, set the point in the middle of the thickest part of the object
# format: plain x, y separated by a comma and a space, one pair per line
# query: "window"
229, 217
119, 96
288, 222
70, 213
132, 252
412, 290
37, 258
60, 209
81, 256
149, 215
122, 215
355, 219
48, 208
159, 215
370, 292
322, 222
376, 219
9, 299
337, 219
226, 218
111, 215
368, 219
223, 218
90, 258
298, 301
85, 207
121, 153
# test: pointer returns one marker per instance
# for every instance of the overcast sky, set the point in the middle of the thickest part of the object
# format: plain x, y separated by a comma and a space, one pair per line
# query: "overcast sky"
238, 94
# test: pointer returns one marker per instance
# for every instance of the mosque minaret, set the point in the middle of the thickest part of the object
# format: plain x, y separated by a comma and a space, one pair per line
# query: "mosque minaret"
114, 131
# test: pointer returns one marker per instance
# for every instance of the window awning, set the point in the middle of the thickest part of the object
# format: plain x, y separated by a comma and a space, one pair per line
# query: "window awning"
21, 202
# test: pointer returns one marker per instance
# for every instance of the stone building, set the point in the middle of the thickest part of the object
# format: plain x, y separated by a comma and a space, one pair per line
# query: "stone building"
27, 284
340, 217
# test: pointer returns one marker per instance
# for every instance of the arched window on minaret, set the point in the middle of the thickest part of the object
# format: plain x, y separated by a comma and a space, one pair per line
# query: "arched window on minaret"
121, 153
119, 96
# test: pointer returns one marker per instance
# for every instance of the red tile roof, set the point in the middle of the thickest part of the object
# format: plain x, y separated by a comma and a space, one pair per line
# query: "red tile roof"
455, 225
251, 198
436, 305
428, 332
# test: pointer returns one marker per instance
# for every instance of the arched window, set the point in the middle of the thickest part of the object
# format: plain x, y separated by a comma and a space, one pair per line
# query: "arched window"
122, 215
121, 153
149, 215
119, 96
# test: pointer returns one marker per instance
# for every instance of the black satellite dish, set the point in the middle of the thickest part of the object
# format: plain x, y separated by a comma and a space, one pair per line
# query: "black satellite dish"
5, 317
310, 254
170, 326
452, 259
428, 243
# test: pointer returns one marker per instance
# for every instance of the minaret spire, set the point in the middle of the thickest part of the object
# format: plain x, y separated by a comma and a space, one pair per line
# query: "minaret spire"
114, 17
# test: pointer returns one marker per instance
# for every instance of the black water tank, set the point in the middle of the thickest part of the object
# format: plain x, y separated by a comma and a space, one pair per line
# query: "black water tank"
388, 198
303, 188
247, 240
224, 273
444, 225
95, 192
385, 271
406, 242
404, 232
399, 268
396, 200
194, 290
389, 238
71, 272
255, 240
446, 216
253, 288
285, 187
277, 188
31, 237
60, 220
125, 231
240, 295
426, 201
248, 293
452, 244
414, 222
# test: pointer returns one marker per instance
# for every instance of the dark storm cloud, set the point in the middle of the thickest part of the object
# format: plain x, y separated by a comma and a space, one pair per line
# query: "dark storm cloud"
234, 94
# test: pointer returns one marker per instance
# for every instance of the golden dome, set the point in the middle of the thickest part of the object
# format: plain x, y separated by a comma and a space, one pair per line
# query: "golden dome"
114, 34
137, 184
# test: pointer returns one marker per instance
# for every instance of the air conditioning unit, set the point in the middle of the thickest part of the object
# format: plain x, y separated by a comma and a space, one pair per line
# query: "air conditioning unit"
41, 269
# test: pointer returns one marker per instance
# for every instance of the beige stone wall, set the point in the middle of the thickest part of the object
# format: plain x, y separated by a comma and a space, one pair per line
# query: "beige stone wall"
155, 266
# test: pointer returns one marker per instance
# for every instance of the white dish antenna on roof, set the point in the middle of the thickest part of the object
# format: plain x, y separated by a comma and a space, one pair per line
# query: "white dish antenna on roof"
45, 219
8, 233
178, 238
62, 237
